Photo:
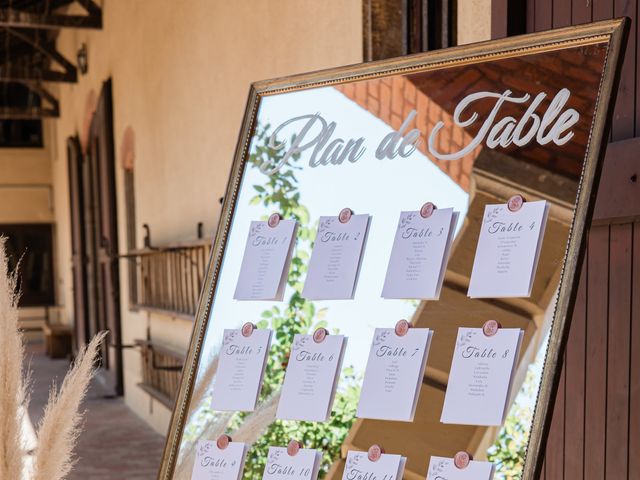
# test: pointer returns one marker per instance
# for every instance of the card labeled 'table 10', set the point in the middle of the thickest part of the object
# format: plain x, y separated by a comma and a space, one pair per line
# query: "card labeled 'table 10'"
387, 467
441, 468
394, 374
311, 379
266, 260
336, 258
214, 463
304, 465
508, 250
241, 366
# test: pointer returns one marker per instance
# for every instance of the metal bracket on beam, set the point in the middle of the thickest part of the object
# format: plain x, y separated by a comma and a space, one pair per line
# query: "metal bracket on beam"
21, 19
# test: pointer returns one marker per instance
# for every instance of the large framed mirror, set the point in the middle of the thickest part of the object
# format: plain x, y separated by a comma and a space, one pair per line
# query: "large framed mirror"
511, 127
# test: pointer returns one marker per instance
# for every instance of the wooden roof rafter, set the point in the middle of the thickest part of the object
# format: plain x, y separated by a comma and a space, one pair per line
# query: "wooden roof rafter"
50, 110
17, 18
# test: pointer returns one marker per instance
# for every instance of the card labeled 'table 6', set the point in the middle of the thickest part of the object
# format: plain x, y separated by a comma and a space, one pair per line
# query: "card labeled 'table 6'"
304, 465
387, 467
241, 366
266, 260
336, 258
311, 379
223, 464
441, 468
508, 250
419, 256
394, 374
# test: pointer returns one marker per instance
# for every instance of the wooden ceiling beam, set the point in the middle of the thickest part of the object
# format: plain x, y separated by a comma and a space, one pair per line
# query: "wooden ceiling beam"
22, 19
50, 110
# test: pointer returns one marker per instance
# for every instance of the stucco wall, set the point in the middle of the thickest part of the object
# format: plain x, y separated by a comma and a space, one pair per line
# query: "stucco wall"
181, 72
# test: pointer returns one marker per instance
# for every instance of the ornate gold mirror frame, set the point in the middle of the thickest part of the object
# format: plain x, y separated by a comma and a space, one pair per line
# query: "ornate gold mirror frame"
612, 34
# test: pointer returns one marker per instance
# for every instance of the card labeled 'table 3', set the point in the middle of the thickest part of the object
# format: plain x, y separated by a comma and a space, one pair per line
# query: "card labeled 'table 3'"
481, 376
241, 365
508, 250
394, 374
266, 260
441, 468
214, 463
419, 256
311, 379
336, 258
304, 465
387, 467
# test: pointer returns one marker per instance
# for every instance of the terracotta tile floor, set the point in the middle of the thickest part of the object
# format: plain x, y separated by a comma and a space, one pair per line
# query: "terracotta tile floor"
115, 444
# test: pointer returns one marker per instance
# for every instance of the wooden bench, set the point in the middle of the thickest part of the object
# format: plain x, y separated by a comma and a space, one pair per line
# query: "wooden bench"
57, 339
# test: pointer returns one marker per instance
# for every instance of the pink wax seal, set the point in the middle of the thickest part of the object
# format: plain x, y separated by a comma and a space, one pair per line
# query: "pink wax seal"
427, 210
293, 448
461, 460
247, 329
345, 215
402, 327
223, 442
320, 334
490, 328
375, 452
515, 203
274, 220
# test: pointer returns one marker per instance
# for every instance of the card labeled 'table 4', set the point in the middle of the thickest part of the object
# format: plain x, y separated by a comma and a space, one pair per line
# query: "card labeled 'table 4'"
394, 374
311, 379
304, 465
387, 467
508, 250
336, 258
481, 376
223, 464
266, 260
419, 256
241, 365
441, 468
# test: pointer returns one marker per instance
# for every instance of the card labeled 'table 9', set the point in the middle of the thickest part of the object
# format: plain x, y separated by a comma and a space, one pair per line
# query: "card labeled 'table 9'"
304, 465
336, 258
266, 260
214, 463
441, 468
387, 467
311, 379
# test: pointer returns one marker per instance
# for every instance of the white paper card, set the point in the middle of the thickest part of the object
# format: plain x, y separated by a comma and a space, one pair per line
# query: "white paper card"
336, 258
311, 379
394, 374
481, 376
508, 250
441, 468
387, 467
214, 464
241, 365
281, 466
419, 256
266, 260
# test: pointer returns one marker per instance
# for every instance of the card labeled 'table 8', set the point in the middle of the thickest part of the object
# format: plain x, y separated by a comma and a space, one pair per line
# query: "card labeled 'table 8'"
441, 468
387, 467
221, 464
304, 465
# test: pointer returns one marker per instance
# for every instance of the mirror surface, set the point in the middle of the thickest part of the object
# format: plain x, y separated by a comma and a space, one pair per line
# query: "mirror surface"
304, 187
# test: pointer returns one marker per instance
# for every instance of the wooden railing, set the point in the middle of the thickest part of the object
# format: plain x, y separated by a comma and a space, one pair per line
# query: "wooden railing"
161, 371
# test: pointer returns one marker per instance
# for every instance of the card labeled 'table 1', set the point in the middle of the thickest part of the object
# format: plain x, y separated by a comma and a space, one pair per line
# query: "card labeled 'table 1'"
311, 379
220, 464
336, 258
304, 465
241, 365
508, 250
394, 374
266, 260
387, 467
441, 468
481, 376
419, 256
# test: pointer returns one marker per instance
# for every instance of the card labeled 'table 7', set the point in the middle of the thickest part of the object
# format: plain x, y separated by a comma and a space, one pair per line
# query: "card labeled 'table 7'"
241, 366
311, 379
221, 464
419, 256
394, 374
304, 465
266, 260
441, 468
336, 258
387, 467
508, 250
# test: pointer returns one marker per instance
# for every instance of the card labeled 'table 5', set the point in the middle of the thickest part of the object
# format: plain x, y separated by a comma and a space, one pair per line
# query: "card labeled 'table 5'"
223, 464
304, 465
336, 258
441, 468
266, 260
386, 467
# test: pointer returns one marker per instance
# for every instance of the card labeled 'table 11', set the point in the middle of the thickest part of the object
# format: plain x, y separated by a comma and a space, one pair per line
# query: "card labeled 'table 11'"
336, 258
311, 379
305, 464
419, 256
266, 260
241, 366
387, 467
508, 250
221, 464
481, 376
441, 468
394, 374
